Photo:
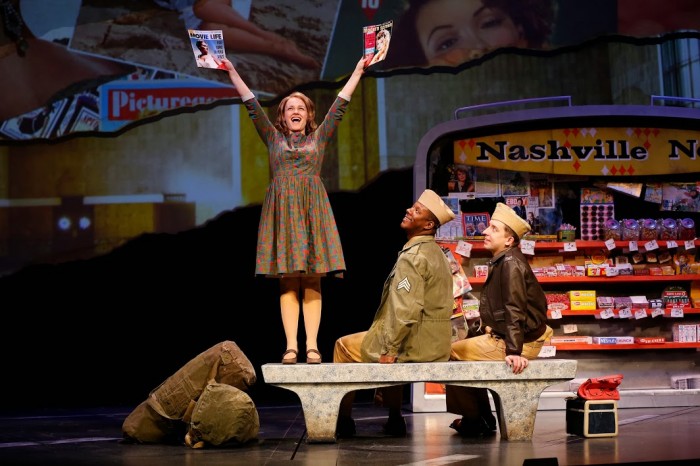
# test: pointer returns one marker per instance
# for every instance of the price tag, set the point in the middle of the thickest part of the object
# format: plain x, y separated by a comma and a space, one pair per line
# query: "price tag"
671, 244
570, 328
651, 245
547, 351
657, 312
607, 313
640, 313
625, 313
464, 249
690, 244
610, 244
633, 246
555, 314
527, 247
676, 312
570, 246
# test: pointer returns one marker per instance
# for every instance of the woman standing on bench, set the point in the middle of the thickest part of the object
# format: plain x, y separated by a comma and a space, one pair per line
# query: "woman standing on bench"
298, 240
513, 310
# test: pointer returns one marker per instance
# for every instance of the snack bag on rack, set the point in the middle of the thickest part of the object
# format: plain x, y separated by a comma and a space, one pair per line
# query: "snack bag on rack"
461, 289
460, 282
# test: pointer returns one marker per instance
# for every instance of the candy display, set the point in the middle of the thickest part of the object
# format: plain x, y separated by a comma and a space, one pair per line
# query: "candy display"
686, 229
630, 230
593, 217
611, 230
668, 230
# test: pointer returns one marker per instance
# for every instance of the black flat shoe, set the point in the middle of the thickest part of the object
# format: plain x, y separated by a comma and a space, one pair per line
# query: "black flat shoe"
490, 421
345, 428
473, 428
395, 426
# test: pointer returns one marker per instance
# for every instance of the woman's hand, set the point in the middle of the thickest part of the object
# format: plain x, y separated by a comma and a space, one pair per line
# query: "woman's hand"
362, 65
227, 63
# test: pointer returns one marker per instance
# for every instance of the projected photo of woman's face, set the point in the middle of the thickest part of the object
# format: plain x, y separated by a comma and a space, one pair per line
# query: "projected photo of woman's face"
62, 48
106, 117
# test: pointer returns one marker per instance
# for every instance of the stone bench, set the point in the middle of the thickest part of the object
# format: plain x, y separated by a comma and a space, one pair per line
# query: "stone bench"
321, 387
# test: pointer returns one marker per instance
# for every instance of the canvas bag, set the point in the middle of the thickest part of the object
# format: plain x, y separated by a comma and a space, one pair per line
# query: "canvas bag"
159, 419
225, 361
222, 414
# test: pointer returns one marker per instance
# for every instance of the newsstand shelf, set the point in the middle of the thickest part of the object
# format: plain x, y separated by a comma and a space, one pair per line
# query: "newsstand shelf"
478, 245
634, 346
618, 279
647, 364
595, 312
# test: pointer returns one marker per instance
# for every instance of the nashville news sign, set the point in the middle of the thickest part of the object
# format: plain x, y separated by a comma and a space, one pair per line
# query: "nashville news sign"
586, 151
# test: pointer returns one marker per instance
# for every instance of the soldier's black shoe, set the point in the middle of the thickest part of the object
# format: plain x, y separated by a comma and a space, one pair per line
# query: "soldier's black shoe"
490, 421
473, 427
395, 426
345, 427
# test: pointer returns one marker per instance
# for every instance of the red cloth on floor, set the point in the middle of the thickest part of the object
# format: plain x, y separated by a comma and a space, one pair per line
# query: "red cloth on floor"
601, 388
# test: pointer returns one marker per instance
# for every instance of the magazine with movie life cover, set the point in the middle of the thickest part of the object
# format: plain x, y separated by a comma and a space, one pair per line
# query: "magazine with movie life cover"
208, 48
376, 41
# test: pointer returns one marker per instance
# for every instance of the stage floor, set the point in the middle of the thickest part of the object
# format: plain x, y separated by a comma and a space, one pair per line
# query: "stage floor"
93, 437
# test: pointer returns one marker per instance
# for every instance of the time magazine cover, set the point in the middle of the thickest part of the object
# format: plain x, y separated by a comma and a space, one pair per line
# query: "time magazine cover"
376, 42
208, 48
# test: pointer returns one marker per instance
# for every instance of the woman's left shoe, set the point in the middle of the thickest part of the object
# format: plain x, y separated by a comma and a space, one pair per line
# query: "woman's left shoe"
313, 356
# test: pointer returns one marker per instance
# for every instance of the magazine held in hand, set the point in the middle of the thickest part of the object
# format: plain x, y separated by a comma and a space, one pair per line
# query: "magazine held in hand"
376, 44
208, 48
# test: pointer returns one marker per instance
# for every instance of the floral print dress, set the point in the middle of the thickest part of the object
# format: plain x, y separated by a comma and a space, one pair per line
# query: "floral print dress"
297, 232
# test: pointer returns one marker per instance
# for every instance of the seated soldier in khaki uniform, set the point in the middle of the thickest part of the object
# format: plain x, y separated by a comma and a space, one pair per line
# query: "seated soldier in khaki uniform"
412, 323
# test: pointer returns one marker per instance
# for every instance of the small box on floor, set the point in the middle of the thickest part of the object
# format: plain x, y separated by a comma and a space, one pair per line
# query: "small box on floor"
591, 418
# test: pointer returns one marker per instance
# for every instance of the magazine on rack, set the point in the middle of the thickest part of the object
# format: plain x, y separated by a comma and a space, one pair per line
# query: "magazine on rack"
376, 42
208, 48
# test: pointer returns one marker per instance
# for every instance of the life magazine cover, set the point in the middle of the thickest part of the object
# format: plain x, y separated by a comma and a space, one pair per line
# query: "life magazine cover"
208, 48
376, 42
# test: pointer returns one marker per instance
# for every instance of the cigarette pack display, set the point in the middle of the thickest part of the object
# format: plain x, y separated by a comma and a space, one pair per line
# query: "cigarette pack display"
613, 340
582, 295
649, 340
605, 302
639, 302
625, 269
570, 339
656, 303
685, 333
583, 305
622, 301
557, 301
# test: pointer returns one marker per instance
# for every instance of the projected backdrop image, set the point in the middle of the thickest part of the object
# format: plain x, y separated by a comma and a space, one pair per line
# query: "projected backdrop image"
120, 134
